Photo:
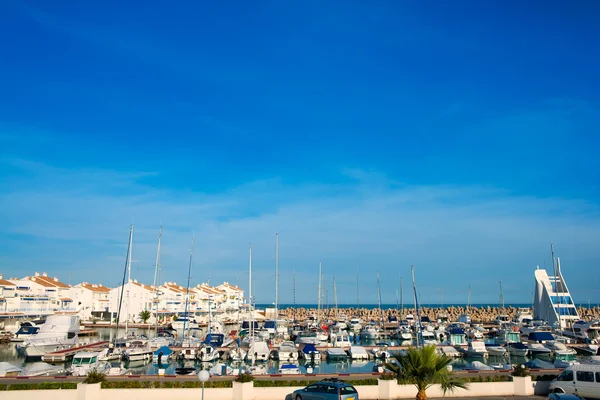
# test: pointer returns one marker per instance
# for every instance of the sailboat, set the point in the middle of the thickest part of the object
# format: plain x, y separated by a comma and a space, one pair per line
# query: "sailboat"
189, 345
258, 350
160, 339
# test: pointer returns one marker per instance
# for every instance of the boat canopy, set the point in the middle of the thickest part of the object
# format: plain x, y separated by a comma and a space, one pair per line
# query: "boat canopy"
517, 345
309, 348
456, 331
166, 351
540, 336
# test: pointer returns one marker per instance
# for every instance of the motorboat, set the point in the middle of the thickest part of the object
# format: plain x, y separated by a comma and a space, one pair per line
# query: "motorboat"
464, 319
183, 322
561, 351
341, 339
517, 349
208, 353
138, 350
237, 354
523, 316
536, 363
538, 350
495, 350
287, 351
355, 325
476, 349
59, 332
381, 351
358, 353
162, 355
289, 369
478, 366
85, 361
258, 351
584, 331
336, 353
7, 369
589, 350
456, 336
403, 332
369, 333
449, 351
26, 330
307, 337
310, 353
42, 369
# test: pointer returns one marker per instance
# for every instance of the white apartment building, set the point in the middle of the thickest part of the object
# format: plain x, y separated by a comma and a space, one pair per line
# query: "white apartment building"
92, 300
38, 295
9, 302
234, 296
137, 297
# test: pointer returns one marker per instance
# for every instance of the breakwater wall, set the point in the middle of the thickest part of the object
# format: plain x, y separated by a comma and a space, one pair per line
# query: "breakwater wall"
477, 314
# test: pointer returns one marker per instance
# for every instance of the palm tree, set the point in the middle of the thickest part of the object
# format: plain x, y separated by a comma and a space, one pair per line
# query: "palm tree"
144, 316
423, 367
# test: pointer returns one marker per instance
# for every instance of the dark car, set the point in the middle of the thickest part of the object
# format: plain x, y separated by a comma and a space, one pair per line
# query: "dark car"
563, 396
328, 389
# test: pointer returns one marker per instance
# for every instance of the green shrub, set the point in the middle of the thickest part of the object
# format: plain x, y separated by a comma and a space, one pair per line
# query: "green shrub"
94, 376
3, 386
243, 378
387, 376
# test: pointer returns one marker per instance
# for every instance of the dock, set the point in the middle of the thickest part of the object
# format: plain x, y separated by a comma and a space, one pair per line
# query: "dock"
61, 356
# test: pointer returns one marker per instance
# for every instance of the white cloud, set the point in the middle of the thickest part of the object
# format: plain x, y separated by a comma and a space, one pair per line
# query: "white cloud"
76, 222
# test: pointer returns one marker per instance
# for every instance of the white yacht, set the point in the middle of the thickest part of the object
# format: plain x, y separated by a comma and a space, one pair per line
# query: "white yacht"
179, 323
381, 351
138, 350
355, 325
477, 349
208, 353
289, 369
287, 351
59, 332
341, 339
258, 351
584, 332
369, 333
42, 369
85, 361
358, 353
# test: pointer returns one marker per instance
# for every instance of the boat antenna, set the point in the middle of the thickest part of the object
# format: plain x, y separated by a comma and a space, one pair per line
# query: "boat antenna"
123, 283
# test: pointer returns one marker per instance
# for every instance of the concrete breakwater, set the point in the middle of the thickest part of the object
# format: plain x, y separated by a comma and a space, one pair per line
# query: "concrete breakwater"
483, 314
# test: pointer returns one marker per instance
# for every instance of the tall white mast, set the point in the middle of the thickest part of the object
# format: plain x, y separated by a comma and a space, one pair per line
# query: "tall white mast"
156, 280
250, 293
187, 292
319, 297
501, 295
335, 298
379, 300
128, 279
276, 279
357, 296
401, 299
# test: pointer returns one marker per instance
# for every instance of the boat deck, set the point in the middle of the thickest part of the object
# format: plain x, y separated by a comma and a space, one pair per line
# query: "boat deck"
62, 355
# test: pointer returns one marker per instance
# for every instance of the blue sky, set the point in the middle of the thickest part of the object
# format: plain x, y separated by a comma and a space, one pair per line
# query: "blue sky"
461, 137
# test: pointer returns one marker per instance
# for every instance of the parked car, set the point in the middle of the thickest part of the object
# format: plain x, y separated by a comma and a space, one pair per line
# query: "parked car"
563, 396
327, 389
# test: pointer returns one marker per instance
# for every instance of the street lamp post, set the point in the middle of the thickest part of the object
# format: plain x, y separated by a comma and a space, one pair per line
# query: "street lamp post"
203, 376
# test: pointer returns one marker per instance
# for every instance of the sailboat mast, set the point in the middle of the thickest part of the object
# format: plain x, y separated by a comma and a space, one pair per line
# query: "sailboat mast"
379, 299
128, 280
276, 279
156, 278
335, 298
401, 298
294, 278
501, 295
187, 291
420, 334
319, 296
357, 296
122, 291
469, 300
250, 293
